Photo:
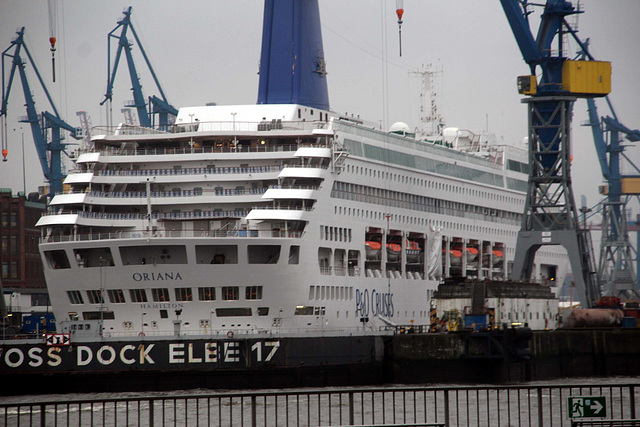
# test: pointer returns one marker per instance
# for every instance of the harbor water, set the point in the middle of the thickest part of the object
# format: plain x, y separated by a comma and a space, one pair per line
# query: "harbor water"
534, 403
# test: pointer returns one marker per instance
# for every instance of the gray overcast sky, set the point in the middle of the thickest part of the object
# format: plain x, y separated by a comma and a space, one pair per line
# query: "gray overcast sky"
208, 51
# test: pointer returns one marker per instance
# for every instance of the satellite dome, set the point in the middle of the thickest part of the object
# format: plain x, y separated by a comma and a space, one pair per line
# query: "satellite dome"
400, 128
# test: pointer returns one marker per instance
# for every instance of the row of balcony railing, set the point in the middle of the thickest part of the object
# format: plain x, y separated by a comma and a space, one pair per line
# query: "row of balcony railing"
147, 234
189, 171
174, 193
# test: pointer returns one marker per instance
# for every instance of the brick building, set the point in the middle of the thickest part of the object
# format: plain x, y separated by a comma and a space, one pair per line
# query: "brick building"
19, 256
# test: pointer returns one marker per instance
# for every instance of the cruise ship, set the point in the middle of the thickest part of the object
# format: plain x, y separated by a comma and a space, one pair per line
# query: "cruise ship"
283, 217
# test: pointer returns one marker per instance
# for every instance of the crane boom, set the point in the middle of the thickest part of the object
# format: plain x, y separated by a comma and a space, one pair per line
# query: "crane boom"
160, 106
49, 153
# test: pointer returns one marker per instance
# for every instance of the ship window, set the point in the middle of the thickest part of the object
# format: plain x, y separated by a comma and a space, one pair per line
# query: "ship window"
263, 311
138, 295
233, 312
217, 254
95, 297
207, 293
253, 292
93, 257
57, 259
183, 294
160, 294
304, 310
116, 296
75, 297
98, 315
312, 292
263, 254
230, 293
294, 254
153, 255
164, 314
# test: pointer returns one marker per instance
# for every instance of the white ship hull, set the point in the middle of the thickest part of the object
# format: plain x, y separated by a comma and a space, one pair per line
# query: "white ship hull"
260, 226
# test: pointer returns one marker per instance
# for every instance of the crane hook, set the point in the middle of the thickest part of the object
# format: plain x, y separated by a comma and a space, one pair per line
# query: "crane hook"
400, 12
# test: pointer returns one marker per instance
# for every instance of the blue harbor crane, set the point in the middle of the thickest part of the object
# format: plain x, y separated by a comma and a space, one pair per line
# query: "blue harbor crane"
615, 269
43, 126
551, 215
159, 106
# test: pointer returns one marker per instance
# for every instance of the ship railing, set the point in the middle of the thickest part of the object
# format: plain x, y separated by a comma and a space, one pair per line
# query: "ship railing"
190, 171
326, 270
217, 126
181, 193
284, 208
155, 215
204, 332
124, 129
113, 151
340, 271
144, 234
267, 148
307, 166
294, 187
539, 404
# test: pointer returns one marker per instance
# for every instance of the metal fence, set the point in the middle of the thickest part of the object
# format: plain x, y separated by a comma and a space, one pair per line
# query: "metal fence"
541, 405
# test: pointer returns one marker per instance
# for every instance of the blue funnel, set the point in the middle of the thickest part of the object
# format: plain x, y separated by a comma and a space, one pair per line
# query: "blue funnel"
292, 67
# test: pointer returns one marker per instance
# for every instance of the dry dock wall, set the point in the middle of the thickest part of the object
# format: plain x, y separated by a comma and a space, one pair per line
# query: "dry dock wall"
468, 358
588, 352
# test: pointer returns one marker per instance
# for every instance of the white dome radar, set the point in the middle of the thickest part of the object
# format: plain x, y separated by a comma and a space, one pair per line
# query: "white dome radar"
400, 128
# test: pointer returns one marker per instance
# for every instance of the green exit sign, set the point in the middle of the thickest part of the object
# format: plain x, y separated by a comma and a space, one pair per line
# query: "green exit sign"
587, 406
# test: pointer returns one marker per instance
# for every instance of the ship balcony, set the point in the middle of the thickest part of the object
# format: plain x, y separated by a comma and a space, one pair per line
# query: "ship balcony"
285, 213
183, 175
103, 219
314, 151
79, 178
301, 171
68, 199
164, 198
89, 157
57, 219
290, 192
213, 127
185, 153
160, 233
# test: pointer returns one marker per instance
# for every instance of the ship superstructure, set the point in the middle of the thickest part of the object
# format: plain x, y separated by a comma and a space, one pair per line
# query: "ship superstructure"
285, 218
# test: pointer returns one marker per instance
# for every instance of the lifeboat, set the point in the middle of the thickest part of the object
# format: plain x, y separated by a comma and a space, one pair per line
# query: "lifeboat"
472, 254
455, 255
498, 257
413, 251
372, 250
393, 252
